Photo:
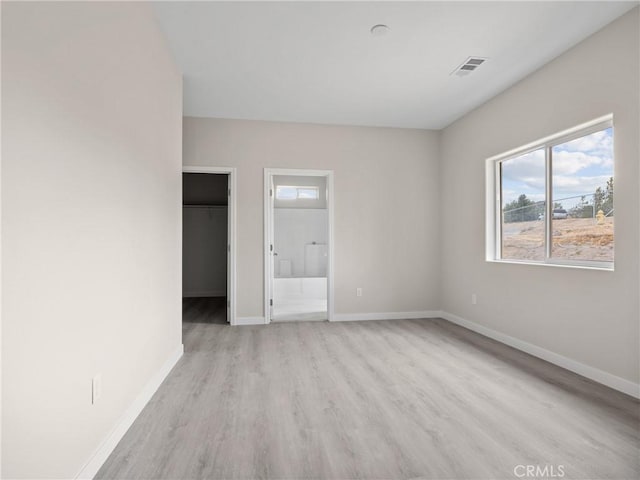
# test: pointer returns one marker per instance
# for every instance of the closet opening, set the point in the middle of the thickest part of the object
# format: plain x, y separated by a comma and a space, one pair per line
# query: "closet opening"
205, 249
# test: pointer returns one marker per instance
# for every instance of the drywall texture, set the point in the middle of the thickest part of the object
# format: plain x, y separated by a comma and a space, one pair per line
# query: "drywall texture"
386, 241
204, 252
91, 147
589, 316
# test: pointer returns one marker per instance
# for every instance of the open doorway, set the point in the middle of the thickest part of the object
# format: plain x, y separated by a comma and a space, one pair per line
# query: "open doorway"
207, 246
298, 210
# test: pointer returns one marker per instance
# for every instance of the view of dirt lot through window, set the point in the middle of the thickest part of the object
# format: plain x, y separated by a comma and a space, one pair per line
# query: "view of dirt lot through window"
573, 238
582, 212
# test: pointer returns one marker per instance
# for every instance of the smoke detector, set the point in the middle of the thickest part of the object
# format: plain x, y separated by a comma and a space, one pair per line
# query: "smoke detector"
468, 66
379, 30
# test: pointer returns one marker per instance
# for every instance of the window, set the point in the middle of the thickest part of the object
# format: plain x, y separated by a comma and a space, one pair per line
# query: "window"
285, 192
552, 201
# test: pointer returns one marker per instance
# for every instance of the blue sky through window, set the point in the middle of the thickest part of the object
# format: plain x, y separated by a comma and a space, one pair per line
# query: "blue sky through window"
286, 193
293, 193
579, 167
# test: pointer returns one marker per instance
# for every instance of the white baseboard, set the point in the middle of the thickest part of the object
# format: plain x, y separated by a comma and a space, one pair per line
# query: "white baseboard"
592, 373
205, 293
249, 320
351, 317
107, 446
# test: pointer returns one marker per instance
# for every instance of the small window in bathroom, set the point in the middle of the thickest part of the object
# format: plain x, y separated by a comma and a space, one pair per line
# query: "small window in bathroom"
286, 192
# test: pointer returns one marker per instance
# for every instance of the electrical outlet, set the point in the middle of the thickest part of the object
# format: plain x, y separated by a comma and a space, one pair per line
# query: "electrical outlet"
96, 388
358, 292
474, 299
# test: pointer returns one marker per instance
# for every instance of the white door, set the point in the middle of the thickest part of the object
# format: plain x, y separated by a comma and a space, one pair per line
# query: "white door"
272, 252
228, 248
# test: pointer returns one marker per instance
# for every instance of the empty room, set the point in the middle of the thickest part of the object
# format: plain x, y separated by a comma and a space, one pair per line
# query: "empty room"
320, 240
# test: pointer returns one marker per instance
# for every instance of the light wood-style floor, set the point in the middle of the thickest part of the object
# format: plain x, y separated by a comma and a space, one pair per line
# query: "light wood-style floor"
399, 399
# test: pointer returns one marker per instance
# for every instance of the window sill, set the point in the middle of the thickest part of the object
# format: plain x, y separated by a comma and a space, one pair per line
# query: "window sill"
602, 266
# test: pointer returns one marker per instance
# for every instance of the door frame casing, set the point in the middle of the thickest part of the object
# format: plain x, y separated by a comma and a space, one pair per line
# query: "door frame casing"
268, 233
231, 232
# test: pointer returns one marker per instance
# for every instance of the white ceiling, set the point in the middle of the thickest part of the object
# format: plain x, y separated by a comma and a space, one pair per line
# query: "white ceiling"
316, 62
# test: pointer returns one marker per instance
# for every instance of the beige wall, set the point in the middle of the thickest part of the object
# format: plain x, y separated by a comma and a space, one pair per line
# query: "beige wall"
386, 197
589, 316
91, 160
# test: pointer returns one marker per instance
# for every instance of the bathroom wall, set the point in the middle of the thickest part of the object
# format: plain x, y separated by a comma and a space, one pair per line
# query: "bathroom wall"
298, 222
293, 229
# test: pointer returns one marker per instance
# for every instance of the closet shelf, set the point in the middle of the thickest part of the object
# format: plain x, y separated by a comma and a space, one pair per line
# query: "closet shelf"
204, 206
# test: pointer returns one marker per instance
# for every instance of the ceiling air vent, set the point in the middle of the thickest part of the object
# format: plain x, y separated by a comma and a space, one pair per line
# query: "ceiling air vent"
468, 66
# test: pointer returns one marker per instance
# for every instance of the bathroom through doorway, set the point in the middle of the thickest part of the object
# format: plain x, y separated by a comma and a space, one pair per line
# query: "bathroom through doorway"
298, 247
